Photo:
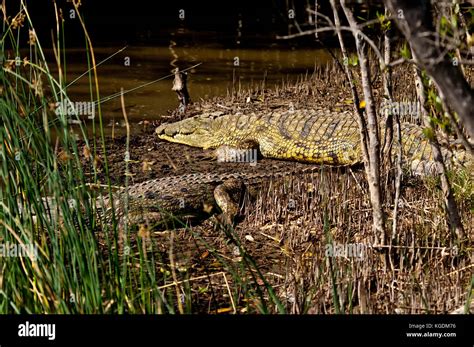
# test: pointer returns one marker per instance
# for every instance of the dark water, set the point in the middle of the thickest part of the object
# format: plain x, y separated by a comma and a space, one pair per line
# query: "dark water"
214, 77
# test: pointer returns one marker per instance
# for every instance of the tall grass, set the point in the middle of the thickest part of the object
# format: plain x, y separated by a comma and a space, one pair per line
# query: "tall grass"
70, 273
40, 158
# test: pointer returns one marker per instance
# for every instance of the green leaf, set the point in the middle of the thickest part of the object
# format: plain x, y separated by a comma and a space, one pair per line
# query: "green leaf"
428, 133
353, 60
405, 51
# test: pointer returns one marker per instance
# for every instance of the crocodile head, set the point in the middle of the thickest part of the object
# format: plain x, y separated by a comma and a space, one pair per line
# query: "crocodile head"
199, 131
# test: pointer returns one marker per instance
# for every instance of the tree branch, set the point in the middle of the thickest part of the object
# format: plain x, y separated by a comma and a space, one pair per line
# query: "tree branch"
414, 19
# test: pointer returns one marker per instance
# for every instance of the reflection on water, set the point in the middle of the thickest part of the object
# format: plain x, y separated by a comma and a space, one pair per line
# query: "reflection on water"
138, 65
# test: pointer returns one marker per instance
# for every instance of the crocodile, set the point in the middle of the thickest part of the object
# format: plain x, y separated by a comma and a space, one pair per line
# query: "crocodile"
317, 136
311, 136
169, 201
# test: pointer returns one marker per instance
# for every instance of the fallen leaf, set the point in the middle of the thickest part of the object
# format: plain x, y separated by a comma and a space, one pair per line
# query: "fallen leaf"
224, 310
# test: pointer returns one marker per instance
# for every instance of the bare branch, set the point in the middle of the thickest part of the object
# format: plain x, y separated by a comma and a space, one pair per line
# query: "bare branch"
415, 22
334, 28
373, 144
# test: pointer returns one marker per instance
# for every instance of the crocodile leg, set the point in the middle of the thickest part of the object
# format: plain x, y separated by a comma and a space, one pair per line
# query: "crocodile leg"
228, 196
